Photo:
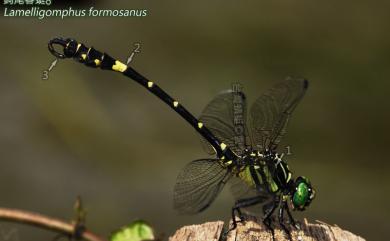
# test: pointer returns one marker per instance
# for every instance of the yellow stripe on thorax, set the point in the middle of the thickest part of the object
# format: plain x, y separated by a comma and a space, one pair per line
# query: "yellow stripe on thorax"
246, 176
271, 183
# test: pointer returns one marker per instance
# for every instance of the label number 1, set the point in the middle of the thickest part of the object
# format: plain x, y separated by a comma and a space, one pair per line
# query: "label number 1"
135, 51
288, 150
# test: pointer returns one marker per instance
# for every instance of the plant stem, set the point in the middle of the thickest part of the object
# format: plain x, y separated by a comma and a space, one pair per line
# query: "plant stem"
45, 222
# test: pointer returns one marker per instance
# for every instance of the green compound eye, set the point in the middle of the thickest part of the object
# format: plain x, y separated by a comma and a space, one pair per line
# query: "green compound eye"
301, 195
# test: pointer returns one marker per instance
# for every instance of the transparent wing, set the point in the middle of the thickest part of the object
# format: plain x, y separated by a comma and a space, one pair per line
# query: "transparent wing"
198, 184
270, 113
225, 117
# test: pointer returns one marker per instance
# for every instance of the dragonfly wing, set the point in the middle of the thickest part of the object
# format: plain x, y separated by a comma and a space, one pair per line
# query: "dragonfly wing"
198, 184
270, 113
225, 117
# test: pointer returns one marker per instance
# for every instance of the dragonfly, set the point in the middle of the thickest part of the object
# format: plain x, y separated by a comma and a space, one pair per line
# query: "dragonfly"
259, 175
243, 145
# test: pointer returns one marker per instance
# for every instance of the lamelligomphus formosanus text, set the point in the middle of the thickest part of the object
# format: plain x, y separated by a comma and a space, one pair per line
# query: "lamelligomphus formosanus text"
245, 154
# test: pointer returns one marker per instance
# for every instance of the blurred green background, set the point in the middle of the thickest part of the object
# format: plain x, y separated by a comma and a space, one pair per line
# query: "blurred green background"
99, 135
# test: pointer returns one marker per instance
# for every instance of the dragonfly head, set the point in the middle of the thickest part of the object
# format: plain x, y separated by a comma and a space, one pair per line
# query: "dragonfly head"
302, 194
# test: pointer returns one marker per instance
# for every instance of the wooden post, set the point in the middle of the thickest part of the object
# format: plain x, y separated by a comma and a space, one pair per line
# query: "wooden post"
252, 230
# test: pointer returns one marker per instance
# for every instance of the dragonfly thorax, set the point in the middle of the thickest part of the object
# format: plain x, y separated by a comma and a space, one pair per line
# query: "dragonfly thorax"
265, 169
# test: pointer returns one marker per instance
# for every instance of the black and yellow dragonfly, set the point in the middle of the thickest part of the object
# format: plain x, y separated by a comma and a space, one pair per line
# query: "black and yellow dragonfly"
244, 149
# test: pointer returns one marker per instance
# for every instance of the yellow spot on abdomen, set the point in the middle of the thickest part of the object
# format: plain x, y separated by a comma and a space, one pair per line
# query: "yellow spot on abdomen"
119, 66
97, 62
150, 84
83, 56
223, 146
200, 125
175, 104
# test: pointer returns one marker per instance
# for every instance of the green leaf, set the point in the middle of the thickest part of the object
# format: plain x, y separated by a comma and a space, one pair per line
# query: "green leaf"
136, 231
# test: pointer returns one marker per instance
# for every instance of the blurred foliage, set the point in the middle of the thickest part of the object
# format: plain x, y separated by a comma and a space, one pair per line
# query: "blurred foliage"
95, 133
136, 231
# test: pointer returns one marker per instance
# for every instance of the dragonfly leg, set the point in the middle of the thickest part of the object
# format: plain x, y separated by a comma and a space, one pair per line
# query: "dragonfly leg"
281, 220
294, 223
242, 203
268, 210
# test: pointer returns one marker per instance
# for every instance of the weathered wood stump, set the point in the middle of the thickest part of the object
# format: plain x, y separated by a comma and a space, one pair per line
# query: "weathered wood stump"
256, 231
